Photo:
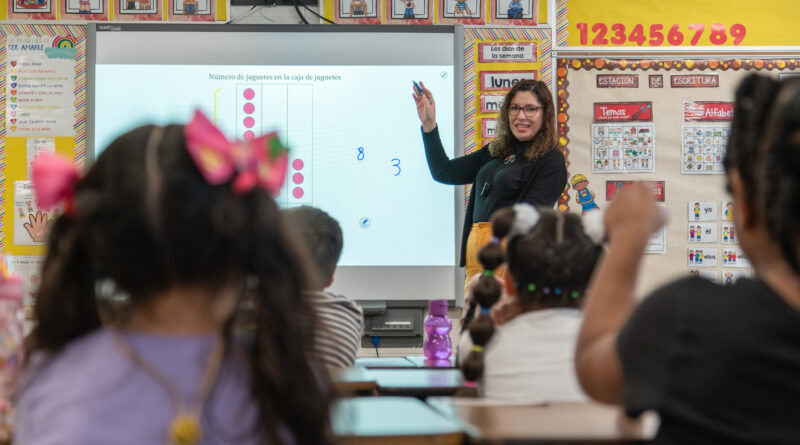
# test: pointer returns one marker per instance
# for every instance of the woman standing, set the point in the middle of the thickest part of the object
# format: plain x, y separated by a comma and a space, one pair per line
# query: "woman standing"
522, 163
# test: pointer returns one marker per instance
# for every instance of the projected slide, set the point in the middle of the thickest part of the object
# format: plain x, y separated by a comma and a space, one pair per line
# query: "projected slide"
354, 139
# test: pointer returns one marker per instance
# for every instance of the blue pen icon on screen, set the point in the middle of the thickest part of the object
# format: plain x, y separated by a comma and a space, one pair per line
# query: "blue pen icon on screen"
417, 87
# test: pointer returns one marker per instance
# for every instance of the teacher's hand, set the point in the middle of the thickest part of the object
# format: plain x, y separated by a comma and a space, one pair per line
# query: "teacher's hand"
426, 107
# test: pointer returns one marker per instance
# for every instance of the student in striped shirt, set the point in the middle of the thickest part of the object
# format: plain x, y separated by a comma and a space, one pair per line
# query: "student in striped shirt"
341, 319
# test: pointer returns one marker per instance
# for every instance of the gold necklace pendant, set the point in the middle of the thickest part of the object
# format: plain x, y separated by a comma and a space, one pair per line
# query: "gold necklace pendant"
185, 430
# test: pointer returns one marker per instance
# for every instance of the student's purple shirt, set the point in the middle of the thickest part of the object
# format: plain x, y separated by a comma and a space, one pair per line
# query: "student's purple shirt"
90, 393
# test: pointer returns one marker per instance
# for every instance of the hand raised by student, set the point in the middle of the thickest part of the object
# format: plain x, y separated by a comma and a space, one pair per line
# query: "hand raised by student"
634, 214
426, 107
38, 227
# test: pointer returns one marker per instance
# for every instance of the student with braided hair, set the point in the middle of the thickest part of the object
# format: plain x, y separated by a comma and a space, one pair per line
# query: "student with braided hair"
720, 364
549, 258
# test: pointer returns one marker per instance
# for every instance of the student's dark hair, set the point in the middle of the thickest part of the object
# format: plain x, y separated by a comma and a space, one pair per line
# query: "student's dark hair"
764, 148
504, 143
551, 266
321, 234
144, 217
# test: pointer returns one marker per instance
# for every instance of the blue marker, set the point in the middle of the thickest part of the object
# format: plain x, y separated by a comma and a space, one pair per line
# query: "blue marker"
416, 87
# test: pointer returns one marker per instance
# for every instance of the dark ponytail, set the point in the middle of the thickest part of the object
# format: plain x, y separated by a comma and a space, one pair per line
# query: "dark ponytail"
486, 294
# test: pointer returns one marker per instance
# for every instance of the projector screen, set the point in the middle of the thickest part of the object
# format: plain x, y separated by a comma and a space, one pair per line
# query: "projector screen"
340, 98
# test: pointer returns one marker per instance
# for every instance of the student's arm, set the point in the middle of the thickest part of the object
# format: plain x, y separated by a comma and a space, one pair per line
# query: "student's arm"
630, 220
550, 180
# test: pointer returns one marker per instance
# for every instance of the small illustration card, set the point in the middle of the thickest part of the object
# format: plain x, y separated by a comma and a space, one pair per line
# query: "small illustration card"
727, 211
702, 232
362, 12
409, 12
514, 12
732, 276
703, 257
734, 257
85, 10
191, 10
31, 10
702, 211
140, 10
728, 233
708, 274
467, 12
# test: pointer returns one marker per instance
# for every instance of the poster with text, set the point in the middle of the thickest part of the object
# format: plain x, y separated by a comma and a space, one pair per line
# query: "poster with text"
31, 224
40, 85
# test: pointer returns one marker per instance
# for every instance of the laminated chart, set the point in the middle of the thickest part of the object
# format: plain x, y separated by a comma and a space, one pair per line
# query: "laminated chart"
287, 109
703, 136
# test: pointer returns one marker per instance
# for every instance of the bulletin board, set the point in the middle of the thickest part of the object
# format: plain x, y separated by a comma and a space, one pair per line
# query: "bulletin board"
115, 10
42, 109
664, 121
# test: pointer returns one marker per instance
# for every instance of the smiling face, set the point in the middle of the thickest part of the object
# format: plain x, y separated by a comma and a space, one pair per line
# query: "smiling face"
524, 126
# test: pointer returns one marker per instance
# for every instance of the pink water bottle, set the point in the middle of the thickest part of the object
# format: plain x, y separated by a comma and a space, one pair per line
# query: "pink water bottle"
437, 344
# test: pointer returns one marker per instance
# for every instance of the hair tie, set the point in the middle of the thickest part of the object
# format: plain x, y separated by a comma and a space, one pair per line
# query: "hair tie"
486, 310
477, 348
495, 240
575, 294
531, 287
262, 161
546, 290
557, 291
54, 178
469, 384
525, 218
487, 273
593, 226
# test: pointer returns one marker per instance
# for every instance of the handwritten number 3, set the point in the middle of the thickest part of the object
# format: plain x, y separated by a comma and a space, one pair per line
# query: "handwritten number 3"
396, 164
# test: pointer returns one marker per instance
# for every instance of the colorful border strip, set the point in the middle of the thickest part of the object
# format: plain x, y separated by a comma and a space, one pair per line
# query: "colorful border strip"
583, 63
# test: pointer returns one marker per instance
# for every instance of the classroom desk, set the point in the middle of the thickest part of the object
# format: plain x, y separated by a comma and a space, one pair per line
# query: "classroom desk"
392, 421
420, 361
417, 382
349, 381
561, 423
384, 362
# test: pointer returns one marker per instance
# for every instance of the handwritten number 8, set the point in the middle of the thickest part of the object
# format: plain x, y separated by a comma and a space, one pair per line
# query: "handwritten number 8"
360, 155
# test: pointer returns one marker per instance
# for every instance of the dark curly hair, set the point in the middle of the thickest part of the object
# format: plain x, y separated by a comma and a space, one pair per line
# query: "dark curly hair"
504, 143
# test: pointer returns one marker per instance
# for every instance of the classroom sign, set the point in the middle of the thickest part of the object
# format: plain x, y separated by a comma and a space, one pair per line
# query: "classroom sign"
613, 23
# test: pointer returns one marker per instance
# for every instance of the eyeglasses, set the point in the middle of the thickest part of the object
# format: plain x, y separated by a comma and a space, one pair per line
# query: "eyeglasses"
529, 110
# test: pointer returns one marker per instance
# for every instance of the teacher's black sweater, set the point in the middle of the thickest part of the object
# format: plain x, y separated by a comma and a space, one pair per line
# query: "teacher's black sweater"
515, 179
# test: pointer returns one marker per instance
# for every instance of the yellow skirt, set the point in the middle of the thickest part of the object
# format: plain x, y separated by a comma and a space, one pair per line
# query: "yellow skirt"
479, 236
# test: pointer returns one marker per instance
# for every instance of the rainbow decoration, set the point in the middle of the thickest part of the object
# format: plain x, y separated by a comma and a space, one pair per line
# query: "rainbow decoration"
64, 42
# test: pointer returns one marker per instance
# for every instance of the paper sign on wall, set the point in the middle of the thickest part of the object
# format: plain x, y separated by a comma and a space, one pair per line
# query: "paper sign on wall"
702, 211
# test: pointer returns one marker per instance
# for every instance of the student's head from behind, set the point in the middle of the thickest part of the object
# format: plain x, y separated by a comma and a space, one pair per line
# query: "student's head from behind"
549, 256
538, 127
144, 218
763, 165
322, 235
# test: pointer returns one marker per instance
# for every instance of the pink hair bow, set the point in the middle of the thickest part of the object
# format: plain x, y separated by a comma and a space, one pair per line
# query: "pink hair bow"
262, 161
54, 178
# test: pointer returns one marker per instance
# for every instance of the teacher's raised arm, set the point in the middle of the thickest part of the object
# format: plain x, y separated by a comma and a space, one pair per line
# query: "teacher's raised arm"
522, 164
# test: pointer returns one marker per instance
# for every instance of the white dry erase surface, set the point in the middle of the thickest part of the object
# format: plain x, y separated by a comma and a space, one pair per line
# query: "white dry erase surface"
702, 211
702, 257
698, 233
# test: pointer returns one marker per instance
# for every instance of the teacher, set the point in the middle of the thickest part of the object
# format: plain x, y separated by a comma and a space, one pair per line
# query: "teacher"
522, 164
